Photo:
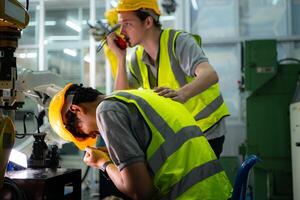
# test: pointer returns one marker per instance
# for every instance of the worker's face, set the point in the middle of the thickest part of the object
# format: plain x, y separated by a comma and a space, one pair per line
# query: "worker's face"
87, 125
85, 120
131, 27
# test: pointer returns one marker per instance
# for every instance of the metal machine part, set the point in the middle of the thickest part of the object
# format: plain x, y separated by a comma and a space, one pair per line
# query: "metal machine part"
295, 141
271, 86
41, 86
13, 18
169, 6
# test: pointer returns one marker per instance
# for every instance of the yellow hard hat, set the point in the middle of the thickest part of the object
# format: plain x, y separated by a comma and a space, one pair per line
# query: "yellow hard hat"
56, 121
112, 16
132, 5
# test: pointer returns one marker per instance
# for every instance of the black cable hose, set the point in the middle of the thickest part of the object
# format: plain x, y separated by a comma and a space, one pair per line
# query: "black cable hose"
288, 59
27, 4
16, 192
85, 173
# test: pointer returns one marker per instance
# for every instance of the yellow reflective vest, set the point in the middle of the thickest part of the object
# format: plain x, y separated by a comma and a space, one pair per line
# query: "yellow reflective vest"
208, 107
182, 162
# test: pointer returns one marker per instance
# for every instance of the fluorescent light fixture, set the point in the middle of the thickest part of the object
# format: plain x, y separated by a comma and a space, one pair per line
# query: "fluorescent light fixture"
87, 58
64, 37
167, 18
73, 25
275, 2
70, 52
50, 23
47, 23
113, 3
22, 55
18, 158
31, 55
195, 4
27, 55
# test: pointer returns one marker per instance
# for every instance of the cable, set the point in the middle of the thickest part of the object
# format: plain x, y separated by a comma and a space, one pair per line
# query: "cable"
288, 59
16, 192
85, 173
27, 4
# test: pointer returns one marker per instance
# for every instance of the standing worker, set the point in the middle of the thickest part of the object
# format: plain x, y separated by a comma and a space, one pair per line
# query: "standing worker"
153, 154
172, 63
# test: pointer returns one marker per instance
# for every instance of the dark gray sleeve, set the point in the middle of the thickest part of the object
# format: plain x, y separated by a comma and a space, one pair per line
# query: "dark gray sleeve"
189, 53
114, 122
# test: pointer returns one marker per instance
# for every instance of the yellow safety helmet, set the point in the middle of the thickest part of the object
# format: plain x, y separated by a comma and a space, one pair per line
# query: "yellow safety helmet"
112, 16
56, 121
132, 5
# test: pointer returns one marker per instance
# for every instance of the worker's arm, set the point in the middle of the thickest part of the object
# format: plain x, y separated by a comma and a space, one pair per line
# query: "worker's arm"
205, 76
133, 180
121, 82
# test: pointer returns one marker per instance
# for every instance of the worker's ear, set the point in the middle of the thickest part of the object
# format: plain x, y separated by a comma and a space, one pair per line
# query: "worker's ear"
149, 21
75, 108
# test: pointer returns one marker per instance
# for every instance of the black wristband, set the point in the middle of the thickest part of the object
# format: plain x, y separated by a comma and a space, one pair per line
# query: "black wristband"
103, 167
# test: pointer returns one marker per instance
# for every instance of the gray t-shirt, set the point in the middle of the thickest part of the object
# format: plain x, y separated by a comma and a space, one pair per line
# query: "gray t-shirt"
124, 131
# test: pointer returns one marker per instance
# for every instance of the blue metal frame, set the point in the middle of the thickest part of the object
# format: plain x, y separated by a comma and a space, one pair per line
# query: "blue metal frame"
240, 185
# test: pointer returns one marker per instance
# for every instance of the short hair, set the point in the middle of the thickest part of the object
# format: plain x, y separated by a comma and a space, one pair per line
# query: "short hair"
81, 95
142, 14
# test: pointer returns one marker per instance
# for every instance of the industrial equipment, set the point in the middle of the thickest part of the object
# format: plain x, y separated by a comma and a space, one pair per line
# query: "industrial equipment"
41, 86
13, 18
270, 85
295, 140
169, 6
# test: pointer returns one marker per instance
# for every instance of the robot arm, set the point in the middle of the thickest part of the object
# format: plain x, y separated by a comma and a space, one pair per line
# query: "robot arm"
40, 86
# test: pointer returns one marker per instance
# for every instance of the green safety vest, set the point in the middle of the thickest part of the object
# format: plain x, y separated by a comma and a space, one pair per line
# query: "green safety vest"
208, 107
183, 164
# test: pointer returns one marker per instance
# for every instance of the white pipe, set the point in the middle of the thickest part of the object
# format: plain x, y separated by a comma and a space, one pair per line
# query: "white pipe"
108, 74
92, 46
41, 66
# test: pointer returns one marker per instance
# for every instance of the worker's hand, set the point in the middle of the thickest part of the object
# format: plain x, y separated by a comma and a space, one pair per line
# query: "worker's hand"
95, 157
111, 38
104, 149
176, 95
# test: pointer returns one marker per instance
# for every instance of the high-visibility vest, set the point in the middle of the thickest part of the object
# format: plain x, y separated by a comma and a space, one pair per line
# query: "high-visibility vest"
208, 107
182, 162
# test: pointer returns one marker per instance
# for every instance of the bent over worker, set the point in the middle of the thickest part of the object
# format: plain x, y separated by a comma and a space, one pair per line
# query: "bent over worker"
155, 148
172, 63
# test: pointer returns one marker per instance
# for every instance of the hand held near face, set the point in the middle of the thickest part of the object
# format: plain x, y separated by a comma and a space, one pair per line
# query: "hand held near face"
121, 43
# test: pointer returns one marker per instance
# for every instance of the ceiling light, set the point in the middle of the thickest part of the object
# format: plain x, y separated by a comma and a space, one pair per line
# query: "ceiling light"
73, 25
195, 4
70, 52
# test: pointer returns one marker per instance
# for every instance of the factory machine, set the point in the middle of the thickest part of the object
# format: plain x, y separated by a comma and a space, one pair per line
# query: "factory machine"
270, 86
13, 18
295, 141
43, 179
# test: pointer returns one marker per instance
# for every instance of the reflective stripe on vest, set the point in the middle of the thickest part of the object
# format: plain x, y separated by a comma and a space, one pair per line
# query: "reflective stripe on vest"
175, 141
207, 107
194, 176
